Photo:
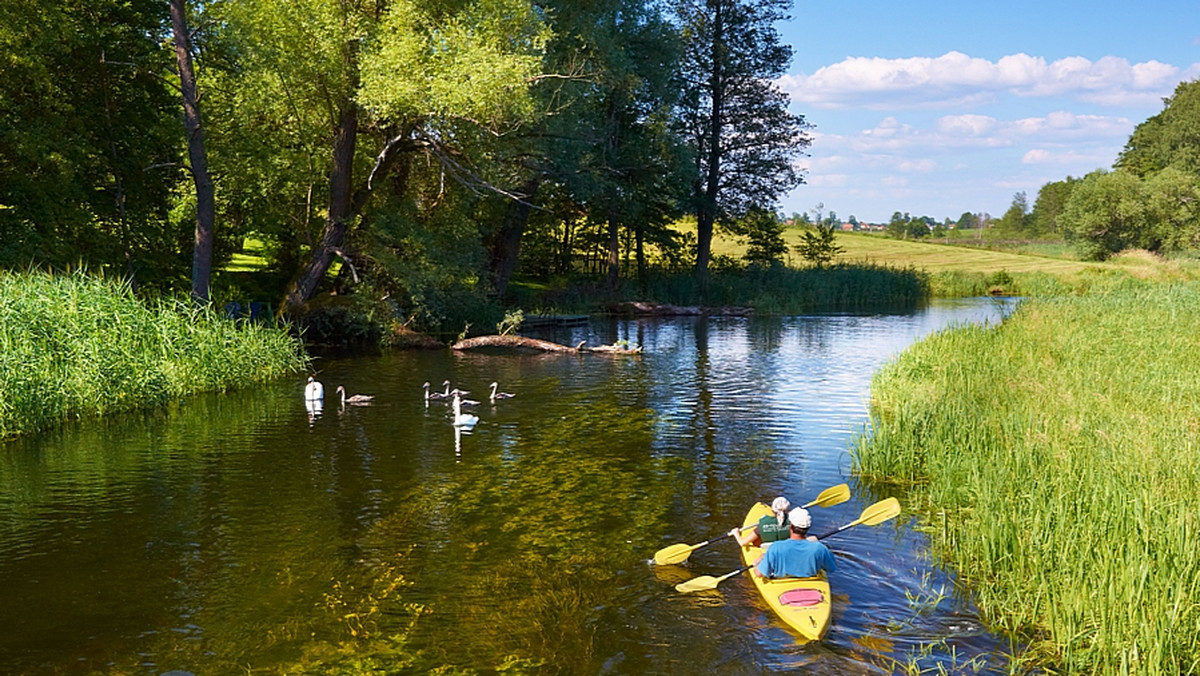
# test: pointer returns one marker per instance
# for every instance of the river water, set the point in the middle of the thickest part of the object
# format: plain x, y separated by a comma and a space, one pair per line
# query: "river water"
242, 533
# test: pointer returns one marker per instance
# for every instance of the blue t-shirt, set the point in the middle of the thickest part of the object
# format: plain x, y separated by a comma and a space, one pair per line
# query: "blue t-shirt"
796, 558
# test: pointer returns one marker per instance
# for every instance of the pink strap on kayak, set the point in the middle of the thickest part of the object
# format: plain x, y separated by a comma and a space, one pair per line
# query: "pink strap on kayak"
801, 597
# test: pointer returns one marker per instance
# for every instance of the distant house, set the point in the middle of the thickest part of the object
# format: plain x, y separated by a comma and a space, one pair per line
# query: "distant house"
847, 227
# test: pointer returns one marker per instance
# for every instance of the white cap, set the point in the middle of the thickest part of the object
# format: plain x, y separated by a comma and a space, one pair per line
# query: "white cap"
799, 518
780, 504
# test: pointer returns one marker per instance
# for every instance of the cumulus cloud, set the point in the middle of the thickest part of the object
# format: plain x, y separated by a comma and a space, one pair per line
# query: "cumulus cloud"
952, 133
955, 80
1072, 158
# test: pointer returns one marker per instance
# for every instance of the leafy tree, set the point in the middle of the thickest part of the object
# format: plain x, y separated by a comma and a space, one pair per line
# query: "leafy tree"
350, 92
967, 221
1171, 137
898, 225
732, 114
1105, 214
1172, 202
88, 137
818, 245
764, 233
1013, 222
1051, 200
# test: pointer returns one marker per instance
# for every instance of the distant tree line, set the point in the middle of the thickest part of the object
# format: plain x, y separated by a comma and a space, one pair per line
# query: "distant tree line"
1149, 200
428, 150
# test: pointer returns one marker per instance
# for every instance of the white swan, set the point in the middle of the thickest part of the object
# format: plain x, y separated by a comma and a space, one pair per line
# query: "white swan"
462, 419
465, 402
356, 399
437, 396
314, 390
500, 395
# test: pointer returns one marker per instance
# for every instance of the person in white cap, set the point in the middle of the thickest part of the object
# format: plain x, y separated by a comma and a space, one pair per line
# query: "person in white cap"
798, 556
771, 528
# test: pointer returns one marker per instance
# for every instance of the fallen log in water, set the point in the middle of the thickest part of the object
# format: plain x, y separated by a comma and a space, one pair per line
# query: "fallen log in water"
521, 342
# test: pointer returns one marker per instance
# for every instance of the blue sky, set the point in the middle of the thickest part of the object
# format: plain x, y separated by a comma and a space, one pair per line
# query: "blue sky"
936, 108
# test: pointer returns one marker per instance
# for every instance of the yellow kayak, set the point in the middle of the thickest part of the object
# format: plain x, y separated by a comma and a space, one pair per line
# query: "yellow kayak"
802, 602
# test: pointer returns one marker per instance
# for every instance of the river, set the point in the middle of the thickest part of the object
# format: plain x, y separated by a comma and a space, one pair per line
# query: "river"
242, 533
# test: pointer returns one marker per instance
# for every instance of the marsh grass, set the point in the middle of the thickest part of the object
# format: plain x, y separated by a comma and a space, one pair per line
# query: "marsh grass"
776, 290
75, 346
1054, 457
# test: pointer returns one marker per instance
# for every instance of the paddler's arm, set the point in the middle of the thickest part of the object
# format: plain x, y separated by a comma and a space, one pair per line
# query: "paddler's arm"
750, 537
756, 571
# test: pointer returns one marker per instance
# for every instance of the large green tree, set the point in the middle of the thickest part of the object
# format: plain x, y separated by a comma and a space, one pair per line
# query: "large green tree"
736, 119
89, 142
1170, 138
349, 92
1051, 200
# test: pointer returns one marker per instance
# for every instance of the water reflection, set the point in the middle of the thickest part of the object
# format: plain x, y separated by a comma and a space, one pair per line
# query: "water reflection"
224, 531
314, 407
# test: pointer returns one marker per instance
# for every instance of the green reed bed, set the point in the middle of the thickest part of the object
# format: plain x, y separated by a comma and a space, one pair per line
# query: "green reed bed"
844, 287
75, 346
1054, 460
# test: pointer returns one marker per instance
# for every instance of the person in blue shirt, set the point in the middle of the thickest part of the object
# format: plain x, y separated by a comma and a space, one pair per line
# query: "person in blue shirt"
798, 556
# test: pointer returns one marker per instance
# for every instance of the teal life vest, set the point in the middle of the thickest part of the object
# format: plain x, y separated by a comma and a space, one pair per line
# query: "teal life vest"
769, 529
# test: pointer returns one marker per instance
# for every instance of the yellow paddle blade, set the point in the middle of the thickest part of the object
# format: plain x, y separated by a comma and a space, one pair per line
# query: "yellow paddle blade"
879, 512
702, 583
673, 554
834, 495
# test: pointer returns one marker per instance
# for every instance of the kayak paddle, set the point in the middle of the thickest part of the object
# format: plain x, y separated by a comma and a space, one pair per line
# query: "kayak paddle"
678, 553
872, 516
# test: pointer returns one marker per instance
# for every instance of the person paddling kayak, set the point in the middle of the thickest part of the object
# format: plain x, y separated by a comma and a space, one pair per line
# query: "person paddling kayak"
771, 528
798, 556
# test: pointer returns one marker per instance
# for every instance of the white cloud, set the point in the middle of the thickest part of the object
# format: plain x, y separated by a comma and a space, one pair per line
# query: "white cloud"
1069, 158
955, 80
919, 166
951, 133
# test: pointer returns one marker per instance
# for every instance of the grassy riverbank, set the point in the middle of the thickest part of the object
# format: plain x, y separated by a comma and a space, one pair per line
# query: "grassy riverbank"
76, 346
1054, 460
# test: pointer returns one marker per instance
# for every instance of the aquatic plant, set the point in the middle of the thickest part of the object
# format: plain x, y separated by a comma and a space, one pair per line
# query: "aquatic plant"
75, 345
1054, 456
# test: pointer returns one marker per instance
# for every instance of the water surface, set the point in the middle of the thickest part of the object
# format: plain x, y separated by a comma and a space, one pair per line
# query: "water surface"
243, 533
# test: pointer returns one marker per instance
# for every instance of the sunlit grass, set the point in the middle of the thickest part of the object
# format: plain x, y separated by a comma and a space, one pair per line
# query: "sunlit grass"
1054, 457
76, 346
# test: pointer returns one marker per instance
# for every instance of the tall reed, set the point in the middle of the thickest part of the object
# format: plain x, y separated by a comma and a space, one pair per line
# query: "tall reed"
1054, 457
75, 346
849, 287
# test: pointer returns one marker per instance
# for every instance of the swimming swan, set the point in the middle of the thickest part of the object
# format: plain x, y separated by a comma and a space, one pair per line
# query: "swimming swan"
500, 395
462, 419
314, 390
437, 396
356, 399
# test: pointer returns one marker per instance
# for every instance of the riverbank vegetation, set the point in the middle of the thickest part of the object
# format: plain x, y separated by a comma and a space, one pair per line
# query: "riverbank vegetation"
74, 346
1053, 461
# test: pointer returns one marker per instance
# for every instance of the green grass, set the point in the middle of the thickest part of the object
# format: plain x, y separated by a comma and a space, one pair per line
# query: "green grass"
1053, 461
76, 346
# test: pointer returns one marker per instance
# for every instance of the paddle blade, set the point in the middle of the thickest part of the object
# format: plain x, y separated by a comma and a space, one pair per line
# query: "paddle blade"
834, 495
702, 583
673, 554
879, 512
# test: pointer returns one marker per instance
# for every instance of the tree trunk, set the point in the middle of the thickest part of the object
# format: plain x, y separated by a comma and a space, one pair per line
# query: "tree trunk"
340, 211
706, 211
614, 251
202, 251
506, 244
